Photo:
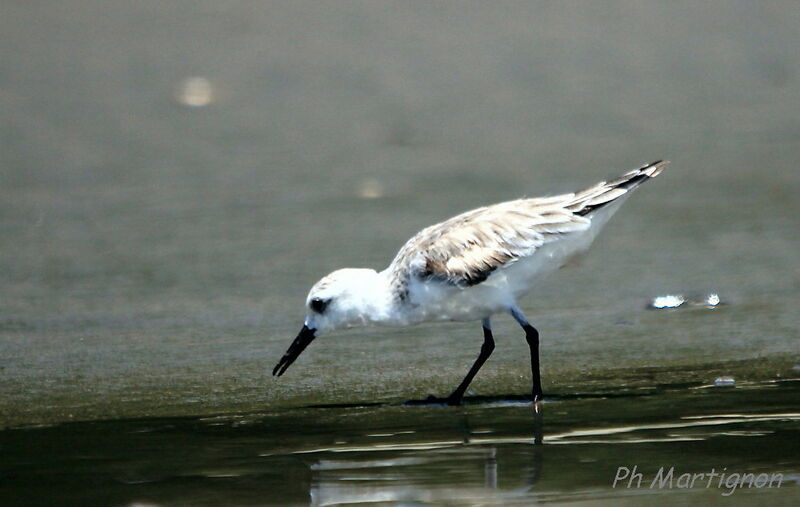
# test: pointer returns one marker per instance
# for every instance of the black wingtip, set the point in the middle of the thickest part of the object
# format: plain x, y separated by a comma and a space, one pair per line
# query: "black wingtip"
628, 181
633, 182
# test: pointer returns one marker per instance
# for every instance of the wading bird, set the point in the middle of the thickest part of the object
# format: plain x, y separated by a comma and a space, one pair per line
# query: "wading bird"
469, 267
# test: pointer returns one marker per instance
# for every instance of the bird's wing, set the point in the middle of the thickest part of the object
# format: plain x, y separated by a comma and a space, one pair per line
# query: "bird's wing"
467, 248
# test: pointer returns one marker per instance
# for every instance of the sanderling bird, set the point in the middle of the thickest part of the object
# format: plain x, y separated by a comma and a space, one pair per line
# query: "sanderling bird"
469, 267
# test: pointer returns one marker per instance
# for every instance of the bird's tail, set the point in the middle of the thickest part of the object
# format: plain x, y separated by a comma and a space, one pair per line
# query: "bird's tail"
604, 193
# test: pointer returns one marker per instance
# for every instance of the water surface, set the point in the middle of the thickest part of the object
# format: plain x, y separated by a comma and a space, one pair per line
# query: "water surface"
491, 451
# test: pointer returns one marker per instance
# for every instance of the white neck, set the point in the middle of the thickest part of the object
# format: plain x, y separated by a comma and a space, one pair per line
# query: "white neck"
377, 300
360, 297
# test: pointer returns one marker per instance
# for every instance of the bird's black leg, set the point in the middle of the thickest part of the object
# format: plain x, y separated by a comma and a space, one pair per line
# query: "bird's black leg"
532, 337
486, 351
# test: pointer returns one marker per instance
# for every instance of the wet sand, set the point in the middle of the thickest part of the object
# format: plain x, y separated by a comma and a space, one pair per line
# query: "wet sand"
159, 235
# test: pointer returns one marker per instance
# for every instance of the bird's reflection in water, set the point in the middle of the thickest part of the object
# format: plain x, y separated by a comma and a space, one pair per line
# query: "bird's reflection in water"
491, 469
478, 466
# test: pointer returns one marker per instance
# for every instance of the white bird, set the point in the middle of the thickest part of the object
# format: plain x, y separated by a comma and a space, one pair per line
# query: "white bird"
469, 267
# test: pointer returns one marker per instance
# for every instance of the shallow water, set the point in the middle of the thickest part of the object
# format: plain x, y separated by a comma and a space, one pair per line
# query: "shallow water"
175, 176
488, 452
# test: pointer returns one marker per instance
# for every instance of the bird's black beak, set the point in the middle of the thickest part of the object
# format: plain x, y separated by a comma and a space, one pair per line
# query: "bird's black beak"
299, 344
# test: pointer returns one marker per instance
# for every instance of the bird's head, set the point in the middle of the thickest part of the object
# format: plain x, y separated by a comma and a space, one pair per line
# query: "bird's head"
345, 298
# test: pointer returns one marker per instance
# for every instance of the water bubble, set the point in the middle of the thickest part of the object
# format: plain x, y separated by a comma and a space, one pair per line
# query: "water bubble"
712, 300
724, 381
667, 301
195, 92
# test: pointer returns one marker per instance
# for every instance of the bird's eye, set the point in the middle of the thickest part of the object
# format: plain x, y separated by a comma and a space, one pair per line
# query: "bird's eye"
319, 305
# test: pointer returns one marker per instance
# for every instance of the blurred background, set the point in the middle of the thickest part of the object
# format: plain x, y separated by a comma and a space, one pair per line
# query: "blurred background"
176, 175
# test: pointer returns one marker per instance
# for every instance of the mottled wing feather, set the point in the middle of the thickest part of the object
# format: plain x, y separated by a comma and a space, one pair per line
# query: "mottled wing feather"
466, 252
467, 248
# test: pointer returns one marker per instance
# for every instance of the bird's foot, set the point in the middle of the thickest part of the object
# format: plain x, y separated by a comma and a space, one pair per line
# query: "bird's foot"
452, 401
